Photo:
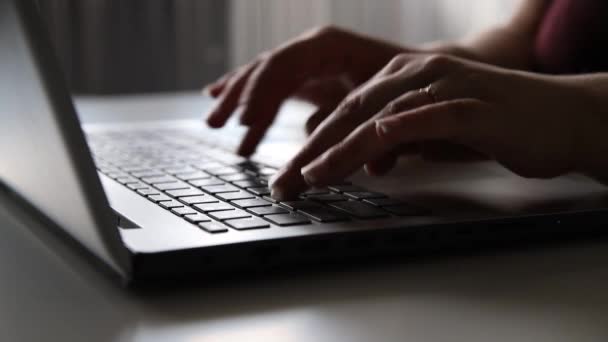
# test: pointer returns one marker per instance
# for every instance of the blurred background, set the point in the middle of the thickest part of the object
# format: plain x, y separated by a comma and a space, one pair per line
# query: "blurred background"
137, 46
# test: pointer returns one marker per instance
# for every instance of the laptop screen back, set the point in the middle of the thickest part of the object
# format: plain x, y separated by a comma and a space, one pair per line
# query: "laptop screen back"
44, 157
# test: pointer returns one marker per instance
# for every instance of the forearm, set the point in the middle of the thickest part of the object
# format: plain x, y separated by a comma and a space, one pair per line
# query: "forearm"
510, 45
591, 152
497, 47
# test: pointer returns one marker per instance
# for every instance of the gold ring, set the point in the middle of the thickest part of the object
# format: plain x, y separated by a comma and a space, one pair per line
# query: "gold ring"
429, 92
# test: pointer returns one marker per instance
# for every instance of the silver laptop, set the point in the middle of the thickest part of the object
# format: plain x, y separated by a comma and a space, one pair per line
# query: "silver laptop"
163, 201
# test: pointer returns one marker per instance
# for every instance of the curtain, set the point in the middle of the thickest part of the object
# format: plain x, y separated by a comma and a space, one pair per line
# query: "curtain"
115, 46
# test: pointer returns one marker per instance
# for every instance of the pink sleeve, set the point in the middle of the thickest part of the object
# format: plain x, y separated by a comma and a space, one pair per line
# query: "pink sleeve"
573, 37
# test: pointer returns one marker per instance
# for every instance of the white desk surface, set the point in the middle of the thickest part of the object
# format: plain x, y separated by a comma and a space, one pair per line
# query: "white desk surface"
550, 294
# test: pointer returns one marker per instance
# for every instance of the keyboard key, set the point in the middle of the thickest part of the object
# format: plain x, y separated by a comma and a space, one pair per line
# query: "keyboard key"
323, 214
287, 219
218, 189
267, 171
250, 203
248, 223
229, 214
383, 202
346, 188
197, 218
217, 206
170, 204
223, 171
192, 176
184, 211
198, 199
159, 180
233, 196
361, 195
148, 192
270, 199
179, 169
133, 168
116, 175
147, 173
213, 227
406, 210
294, 205
185, 192
171, 186
250, 165
260, 191
238, 177
270, 210
138, 186
208, 165
249, 184
206, 182
315, 191
327, 198
359, 209
127, 180
159, 198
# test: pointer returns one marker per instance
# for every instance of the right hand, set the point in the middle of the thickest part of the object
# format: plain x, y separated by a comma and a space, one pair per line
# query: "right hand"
321, 66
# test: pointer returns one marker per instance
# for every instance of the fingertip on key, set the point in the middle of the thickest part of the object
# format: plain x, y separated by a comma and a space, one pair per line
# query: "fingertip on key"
310, 178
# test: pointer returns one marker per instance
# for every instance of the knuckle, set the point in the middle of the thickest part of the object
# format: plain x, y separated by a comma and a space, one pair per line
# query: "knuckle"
397, 63
401, 58
436, 62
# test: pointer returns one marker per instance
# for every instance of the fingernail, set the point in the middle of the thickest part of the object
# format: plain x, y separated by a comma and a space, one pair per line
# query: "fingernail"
277, 194
308, 175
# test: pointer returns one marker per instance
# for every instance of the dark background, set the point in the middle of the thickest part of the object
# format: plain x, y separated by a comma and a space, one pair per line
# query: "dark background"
134, 46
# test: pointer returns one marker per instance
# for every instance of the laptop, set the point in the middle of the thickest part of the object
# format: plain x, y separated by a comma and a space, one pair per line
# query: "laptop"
159, 201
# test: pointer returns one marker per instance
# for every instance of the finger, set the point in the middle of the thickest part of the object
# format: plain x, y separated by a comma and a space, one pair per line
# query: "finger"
456, 121
252, 139
387, 162
327, 91
288, 181
317, 118
382, 165
360, 146
326, 95
415, 73
216, 88
229, 101
314, 56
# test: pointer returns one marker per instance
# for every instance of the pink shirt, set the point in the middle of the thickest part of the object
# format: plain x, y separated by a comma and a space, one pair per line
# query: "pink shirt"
573, 37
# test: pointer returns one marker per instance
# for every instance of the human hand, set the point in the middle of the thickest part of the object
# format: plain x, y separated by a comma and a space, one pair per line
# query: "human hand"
321, 67
527, 122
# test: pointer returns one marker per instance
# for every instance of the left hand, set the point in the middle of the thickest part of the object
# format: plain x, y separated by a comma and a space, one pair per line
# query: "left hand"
527, 122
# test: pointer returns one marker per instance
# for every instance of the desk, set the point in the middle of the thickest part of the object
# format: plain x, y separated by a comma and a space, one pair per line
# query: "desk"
550, 294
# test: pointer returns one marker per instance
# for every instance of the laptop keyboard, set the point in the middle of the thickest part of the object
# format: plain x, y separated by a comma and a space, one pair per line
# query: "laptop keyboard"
219, 191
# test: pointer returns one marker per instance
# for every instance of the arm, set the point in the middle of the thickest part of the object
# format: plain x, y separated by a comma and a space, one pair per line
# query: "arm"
509, 45
592, 149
